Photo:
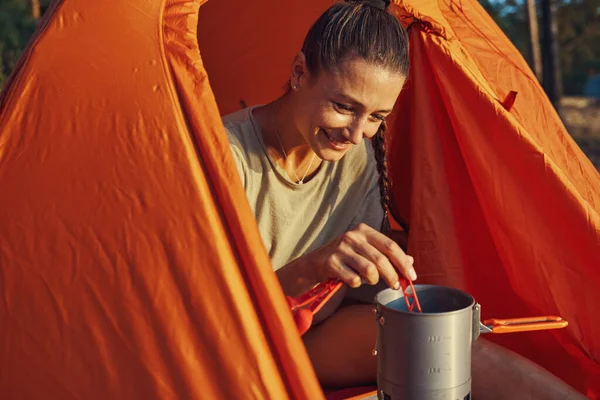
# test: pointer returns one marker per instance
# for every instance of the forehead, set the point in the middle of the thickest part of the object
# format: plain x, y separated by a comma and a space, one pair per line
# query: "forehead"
374, 86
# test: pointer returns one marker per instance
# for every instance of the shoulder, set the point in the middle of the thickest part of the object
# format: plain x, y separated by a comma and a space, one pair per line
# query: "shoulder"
238, 127
242, 134
236, 124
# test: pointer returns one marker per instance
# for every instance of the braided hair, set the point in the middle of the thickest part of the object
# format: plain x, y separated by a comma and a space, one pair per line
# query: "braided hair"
378, 143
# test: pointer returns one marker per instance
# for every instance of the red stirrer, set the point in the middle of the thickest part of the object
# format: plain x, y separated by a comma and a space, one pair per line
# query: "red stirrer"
412, 295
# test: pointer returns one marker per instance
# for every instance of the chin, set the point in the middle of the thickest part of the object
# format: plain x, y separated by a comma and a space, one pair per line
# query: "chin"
327, 150
331, 155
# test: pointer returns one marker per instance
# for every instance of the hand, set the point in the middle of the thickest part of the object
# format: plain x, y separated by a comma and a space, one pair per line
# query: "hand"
361, 254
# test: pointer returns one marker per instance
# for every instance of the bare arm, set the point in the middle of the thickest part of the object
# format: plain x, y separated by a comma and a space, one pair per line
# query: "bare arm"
296, 277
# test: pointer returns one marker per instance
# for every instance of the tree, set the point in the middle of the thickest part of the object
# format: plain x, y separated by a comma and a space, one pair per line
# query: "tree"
579, 41
36, 9
534, 36
550, 52
18, 20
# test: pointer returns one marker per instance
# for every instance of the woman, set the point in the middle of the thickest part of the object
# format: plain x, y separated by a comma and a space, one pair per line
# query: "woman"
313, 167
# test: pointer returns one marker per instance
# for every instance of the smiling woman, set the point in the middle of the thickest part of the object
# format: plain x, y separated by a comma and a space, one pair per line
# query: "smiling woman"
313, 166
312, 163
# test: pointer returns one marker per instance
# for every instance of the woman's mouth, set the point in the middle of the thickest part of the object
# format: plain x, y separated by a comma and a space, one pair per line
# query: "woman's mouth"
334, 143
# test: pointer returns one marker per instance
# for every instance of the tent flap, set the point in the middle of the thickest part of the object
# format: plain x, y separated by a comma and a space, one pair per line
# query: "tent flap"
129, 268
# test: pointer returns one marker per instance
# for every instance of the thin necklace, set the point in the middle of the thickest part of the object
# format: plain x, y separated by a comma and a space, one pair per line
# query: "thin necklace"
300, 181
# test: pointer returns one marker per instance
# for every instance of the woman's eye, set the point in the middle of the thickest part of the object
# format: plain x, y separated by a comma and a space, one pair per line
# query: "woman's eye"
378, 117
343, 107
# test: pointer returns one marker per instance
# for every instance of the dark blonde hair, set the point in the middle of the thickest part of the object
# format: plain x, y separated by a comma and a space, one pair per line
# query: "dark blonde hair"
367, 30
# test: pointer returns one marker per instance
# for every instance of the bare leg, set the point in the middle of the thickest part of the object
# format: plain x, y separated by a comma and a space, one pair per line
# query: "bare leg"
341, 351
499, 373
341, 347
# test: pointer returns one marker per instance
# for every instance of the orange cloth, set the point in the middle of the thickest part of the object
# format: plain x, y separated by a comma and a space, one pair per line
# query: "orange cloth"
130, 264
501, 203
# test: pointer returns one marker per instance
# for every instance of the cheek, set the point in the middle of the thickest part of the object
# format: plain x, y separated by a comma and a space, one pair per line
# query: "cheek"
330, 119
371, 129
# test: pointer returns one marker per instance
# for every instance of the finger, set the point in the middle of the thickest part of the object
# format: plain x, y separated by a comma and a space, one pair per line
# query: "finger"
378, 264
363, 266
340, 269
355, 250
400, 260
384, 267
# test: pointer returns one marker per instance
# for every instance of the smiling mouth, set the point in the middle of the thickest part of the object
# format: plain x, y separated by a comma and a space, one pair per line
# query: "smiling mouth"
336, 144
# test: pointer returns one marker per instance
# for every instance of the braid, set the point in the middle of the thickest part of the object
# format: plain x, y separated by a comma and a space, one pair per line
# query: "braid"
378, 143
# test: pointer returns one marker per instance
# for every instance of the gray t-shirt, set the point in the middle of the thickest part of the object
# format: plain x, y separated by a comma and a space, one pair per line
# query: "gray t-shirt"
294, 219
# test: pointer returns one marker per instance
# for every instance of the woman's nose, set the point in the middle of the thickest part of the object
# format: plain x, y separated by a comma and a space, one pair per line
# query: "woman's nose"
354, 132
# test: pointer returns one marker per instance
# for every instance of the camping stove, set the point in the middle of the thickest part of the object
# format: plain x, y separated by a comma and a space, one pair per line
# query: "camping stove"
427, 355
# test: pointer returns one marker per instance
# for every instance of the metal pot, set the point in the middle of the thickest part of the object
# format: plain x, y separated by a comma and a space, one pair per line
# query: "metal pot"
427, 355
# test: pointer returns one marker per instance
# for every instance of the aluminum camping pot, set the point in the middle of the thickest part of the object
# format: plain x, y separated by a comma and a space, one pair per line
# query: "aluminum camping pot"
427, 355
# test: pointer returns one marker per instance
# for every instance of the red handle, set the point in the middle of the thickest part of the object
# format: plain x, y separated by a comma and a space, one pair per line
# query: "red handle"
525, 324
305, 306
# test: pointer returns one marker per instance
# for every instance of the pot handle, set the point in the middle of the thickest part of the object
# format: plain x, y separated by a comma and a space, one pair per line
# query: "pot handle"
523, 324
511, 325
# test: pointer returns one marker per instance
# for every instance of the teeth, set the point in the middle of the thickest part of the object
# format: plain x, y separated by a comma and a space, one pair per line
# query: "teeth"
336, 142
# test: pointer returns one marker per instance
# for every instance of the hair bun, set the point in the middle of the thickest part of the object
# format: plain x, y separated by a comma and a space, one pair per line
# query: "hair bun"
380, 4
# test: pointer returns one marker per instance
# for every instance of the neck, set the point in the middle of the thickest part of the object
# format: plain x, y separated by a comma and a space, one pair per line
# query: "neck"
284, 142
282, 129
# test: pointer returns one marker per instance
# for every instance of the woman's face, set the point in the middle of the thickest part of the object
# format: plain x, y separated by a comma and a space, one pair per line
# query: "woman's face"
338, 109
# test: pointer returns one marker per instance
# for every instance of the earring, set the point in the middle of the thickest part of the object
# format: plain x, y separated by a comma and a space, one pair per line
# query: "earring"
295, 87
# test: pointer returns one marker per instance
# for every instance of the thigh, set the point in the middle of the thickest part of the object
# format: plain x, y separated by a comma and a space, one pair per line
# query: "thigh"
499, 373
341, 348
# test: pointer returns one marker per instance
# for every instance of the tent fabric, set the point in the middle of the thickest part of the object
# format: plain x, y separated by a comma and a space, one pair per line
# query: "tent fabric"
501, 202
129, 266
523, 243
512, 202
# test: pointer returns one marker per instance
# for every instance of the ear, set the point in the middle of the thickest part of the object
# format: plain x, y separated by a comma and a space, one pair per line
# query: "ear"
299, 75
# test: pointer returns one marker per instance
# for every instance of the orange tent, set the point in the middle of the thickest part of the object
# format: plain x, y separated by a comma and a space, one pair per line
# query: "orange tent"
131, 266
